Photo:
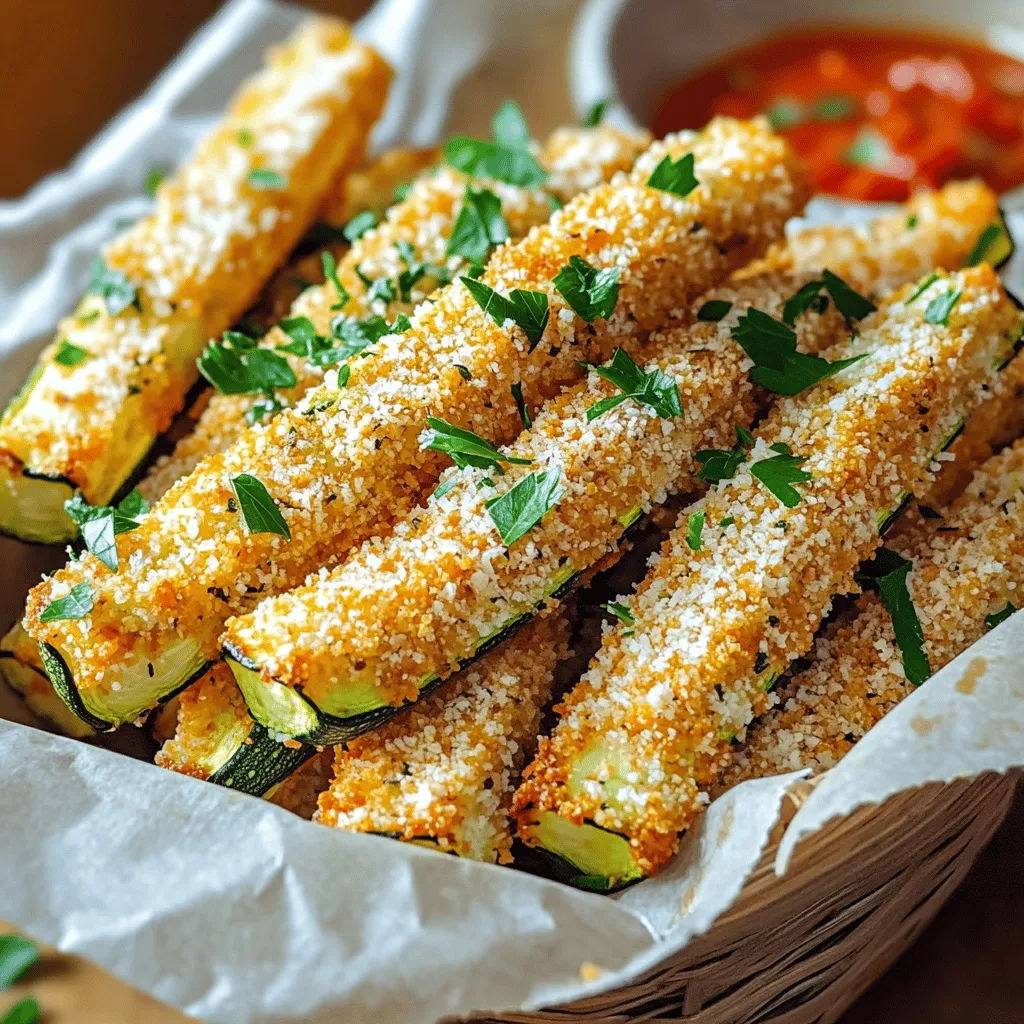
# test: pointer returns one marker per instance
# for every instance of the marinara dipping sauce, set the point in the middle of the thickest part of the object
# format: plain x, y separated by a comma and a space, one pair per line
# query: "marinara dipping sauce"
875, 113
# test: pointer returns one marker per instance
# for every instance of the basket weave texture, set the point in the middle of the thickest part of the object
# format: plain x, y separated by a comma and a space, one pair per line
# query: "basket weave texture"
801, 948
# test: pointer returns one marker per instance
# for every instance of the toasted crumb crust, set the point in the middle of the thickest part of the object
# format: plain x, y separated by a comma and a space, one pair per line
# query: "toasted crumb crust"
348, 463
658, 708
934, 229
445, 770
424, 220
200, 258
967, 566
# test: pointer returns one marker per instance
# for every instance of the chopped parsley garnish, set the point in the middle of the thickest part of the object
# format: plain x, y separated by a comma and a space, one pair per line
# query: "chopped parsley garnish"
941, 306
463, 371
784, 113
479, 226
359, 225
24, 1011
778, 366
779, 472
912, 222
17, 955
833, 108
620, 611
402, 192
75, 605
527, 310
68, 354
507, 158
259, 510
554, 203
117, 291
655, 389
100, 524
465, 447
88, 317
714, 310
676, 176
265, 180
592, 293
717, 464
236, 365
444, 487
381, 290
153, 179
318, 350
1002, 615
401, 325
413, 272
694, 529
727, 521
888, 572
245, 137
523, 506
870, 149
330, 268
801, 301
850, 303
595, 115
985, 240
524, 411
923, 287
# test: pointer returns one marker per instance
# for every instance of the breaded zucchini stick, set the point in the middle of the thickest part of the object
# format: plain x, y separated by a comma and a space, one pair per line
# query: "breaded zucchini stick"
347, 463
442, 774
740, 587
423, 220
122, 363
968, 571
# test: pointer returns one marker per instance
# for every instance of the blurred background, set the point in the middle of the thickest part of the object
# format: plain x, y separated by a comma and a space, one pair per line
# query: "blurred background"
68, 68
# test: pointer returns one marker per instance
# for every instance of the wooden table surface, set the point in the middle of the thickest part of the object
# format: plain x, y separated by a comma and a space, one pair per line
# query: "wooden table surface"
67, 68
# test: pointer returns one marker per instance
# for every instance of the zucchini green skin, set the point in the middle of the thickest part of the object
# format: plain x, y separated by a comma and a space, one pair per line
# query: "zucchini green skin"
261, 763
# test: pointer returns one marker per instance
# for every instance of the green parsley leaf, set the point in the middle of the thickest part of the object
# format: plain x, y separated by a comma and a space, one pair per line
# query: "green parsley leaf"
523, 506
784, 113
100, 524
694, 529
245, 137
359, 225
592, 293
727, 521
402, 192
265, 180
676, 177
528, 310
941, 306
850, 303
68, 354
717, 464
236, 365
330, 268
985, 240
444, 487
401, 325
620, 611
259, 510
833, 108
479, 226
463, 371
923, 287
912, 222
117, 291
507, 159
88, 317
524, 411
655, 389
802, 300
554, 203
870, 149
25, 1011
595, 115
318, 350
17, 955
888, 572
779, 473
465, 447
153, 179
1002, 615
714, 310
74, 605
778, 366
381, 290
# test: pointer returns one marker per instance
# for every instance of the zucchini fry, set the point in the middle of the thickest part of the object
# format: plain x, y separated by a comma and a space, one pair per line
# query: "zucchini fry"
122, 364
347, 463
424, 220
648, 729
968, 570
442, 774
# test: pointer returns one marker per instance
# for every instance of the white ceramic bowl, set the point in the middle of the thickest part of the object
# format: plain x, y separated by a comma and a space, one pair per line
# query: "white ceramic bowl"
636, 50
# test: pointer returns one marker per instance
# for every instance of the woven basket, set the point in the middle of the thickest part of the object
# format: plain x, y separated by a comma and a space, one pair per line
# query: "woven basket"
801, 948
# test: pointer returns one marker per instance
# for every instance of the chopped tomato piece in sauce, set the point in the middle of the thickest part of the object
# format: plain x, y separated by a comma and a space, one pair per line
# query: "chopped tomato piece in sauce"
875, 113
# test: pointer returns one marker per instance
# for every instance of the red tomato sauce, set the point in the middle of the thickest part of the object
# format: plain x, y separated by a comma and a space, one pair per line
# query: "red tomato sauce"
875, 113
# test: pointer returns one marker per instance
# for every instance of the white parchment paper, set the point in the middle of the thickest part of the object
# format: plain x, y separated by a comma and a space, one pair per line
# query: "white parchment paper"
234, 910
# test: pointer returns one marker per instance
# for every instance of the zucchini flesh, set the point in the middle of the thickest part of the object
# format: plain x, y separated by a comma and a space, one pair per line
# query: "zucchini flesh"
32, 507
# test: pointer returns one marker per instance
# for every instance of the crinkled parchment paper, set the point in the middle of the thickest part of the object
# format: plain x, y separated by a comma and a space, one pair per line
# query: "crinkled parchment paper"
234, 910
